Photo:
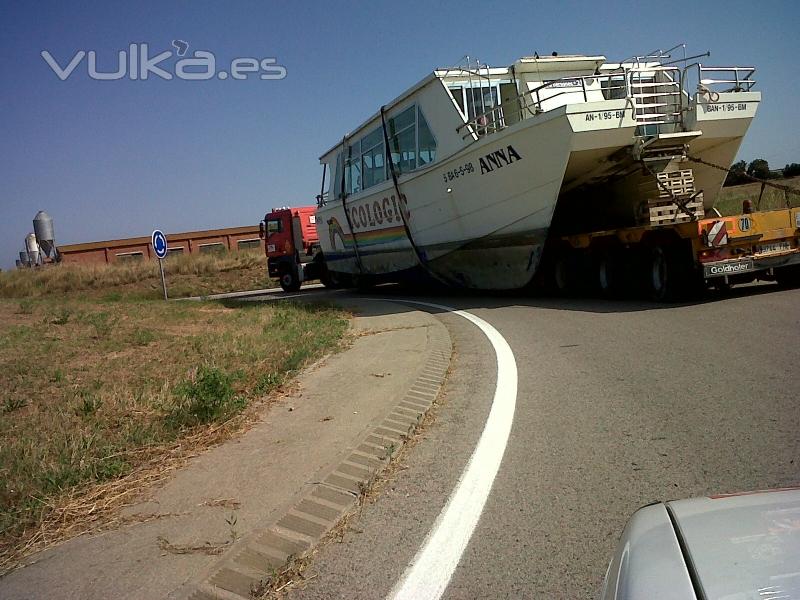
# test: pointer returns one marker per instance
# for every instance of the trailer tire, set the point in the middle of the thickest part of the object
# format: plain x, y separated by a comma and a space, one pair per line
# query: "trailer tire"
608, 275
670, 275
289, 281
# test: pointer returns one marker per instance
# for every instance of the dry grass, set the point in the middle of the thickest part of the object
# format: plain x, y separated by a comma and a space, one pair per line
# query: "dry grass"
100, 398
190, 275
730, 199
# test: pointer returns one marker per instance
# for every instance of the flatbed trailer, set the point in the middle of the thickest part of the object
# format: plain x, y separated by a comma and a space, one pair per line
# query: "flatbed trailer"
672, 261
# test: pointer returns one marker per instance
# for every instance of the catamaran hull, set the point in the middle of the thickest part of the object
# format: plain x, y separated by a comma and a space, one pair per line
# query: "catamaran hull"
480, 218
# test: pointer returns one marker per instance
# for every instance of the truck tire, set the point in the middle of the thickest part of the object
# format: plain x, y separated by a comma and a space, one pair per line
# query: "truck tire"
670, 276
609, 275
289, 281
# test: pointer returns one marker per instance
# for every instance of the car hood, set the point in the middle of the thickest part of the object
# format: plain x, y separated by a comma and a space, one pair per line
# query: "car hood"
742, 546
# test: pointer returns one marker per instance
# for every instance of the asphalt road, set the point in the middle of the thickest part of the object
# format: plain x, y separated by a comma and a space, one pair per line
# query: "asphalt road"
618, 404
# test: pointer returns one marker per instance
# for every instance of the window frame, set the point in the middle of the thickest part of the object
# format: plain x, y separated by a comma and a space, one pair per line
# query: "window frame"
345, 157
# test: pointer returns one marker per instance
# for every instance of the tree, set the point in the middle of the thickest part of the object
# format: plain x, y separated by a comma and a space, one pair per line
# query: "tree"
736, 175
759, 168
791, 170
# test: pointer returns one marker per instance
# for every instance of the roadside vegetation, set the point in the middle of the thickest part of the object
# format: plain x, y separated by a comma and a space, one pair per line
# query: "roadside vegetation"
730, 199
103, 395
190, 275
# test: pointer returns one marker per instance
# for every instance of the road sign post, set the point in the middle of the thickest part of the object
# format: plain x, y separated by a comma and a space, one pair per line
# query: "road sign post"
159, 242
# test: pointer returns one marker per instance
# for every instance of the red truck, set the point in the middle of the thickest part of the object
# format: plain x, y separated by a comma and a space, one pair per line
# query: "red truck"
292, 246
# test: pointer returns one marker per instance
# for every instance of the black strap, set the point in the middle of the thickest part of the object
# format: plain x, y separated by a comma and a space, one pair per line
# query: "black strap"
347, 213
388, 155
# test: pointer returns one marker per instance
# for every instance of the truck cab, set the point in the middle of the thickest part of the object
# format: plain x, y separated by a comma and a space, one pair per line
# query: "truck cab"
290, 244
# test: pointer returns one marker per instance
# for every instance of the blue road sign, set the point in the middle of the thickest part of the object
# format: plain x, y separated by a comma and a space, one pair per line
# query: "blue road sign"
159, 241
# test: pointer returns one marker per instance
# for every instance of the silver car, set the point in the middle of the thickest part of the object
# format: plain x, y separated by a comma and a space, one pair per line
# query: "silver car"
731, 547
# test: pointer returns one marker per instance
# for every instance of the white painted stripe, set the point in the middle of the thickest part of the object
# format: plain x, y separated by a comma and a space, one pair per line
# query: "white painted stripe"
428, 574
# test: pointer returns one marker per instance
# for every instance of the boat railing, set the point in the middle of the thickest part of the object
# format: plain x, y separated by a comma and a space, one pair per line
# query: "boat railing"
711, 80
655, 94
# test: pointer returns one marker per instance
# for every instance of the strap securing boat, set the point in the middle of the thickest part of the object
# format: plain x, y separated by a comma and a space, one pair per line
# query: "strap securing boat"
388, 154
343, 194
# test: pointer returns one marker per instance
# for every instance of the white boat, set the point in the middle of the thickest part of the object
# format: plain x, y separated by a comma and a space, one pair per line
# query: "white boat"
460, 176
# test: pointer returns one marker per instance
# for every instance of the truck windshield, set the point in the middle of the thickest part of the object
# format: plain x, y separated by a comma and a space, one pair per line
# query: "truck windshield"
274, 226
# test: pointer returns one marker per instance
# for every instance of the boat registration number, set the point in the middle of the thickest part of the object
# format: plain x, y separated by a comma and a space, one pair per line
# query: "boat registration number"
605, 115
464, 169
727, 107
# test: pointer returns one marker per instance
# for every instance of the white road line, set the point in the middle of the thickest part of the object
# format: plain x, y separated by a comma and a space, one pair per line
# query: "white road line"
428, 574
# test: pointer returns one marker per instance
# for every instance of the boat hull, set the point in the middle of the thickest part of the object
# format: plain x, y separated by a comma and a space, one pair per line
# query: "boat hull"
480, 218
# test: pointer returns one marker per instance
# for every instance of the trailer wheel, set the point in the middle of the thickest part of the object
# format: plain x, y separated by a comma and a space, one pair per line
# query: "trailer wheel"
290, 282
670, 275
608, 274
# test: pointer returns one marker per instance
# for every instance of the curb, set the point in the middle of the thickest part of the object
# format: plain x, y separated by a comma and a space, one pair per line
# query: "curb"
321, 509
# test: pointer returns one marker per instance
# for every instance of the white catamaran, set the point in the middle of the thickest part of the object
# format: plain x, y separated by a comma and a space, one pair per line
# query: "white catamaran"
462, 176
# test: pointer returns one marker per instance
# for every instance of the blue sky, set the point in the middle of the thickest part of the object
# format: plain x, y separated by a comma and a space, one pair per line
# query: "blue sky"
114, 159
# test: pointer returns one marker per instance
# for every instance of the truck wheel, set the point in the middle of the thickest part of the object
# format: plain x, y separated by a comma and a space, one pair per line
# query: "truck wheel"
290, 282
670, 276
660, 276
608, 270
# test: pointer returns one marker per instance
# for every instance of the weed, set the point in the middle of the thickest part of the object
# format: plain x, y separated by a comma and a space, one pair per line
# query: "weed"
142, 337
389, 448
13, 403
207, 397
58, 376
102, 322
62, 316
267, 382
231, 520
25, 307
88, 403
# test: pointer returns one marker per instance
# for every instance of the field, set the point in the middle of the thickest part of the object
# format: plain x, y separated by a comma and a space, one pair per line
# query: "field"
730, 199
190, 275
104, 391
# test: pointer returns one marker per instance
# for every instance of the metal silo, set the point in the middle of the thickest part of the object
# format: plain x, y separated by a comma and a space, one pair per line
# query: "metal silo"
45, 235
24, 258
33, 248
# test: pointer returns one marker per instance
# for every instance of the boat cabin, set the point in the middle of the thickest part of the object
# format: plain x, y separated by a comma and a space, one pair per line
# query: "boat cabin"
454, 107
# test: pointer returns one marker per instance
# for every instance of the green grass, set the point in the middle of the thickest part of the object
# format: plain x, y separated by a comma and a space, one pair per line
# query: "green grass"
91, 388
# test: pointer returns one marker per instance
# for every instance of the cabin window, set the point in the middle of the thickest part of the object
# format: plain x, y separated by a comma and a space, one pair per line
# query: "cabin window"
402, 121
614, 87
403, 140
481, 100
336, 182
458, 95
352, 169
411, 145
373, 165
427, 143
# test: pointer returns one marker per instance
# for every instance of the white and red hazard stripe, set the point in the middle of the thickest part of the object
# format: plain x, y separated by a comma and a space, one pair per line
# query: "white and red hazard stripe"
717, 234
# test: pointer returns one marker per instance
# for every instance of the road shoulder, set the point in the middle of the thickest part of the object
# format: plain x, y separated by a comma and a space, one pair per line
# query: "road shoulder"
235, 514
